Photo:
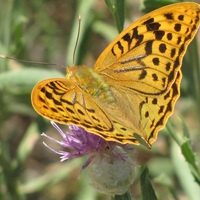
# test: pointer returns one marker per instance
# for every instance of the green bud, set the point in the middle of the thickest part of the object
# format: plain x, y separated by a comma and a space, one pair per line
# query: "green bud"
111, 175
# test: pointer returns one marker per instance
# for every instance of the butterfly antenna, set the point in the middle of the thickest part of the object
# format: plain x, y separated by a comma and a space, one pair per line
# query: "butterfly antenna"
77, 38
31, 62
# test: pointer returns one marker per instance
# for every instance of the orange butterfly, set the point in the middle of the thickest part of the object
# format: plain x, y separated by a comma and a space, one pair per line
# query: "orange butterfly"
132, 90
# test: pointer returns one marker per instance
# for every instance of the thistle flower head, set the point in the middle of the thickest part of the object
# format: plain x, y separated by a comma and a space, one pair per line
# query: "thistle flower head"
111, 169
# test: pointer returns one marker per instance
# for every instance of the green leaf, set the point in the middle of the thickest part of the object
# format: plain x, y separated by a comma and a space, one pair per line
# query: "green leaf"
85, 10
191, 159
26, 145
186, 149
148, 192
149, 5
117, 9
173, 133
183, 173
59, 173
125, 196
105, 30
193, 76
25, 78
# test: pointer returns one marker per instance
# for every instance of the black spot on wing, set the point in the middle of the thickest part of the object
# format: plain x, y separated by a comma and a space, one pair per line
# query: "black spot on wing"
67, 102
148, 47
182, 48
169, 36
153, 27
146, 114
41, 99
156, 61
154, 101
120, 47
54, 110
138, 37
96, 119
143, 74
169, 16
128, 39
179, 40
159, 34
181, 17
70, 110
173, 52
155, 77
168, 66
81, 112
162, 48
177, 27
161, 109
149, 21
48, 95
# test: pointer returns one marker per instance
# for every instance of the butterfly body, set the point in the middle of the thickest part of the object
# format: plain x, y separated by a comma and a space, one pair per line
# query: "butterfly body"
90, 82
132, 90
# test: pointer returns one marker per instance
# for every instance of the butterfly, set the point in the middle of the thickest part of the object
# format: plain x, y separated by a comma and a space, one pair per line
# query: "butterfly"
132, 89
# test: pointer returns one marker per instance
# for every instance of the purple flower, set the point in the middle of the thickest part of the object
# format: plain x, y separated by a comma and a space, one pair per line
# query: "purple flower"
81, 143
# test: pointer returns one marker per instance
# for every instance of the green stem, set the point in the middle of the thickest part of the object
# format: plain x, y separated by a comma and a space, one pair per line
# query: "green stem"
125, 196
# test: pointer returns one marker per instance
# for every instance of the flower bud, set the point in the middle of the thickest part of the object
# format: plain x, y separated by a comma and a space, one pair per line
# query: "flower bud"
111, 175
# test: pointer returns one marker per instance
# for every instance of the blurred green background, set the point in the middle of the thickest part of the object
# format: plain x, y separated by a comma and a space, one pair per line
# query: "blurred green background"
46, 31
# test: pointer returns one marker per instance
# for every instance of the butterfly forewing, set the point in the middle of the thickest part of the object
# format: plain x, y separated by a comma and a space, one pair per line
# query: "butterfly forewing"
62, 101
146, 56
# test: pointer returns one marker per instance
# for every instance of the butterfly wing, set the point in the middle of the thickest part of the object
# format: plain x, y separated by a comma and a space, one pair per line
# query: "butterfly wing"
64, 102
141, 117
142, 68
146, 57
